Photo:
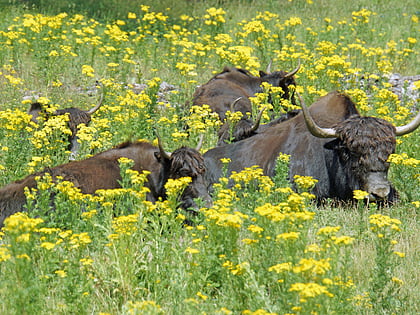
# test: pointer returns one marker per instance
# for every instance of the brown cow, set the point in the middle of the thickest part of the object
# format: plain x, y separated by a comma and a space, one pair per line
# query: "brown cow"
76, 117
102, 172
356, 158
230, 91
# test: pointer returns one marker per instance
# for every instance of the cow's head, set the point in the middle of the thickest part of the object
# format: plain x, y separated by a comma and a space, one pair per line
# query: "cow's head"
188, 162
77, 115
281, 79
363, 145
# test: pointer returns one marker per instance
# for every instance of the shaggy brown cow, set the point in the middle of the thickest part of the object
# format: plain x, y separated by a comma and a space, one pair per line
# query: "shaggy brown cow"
355, 159
76, 117
102, 172
230, 91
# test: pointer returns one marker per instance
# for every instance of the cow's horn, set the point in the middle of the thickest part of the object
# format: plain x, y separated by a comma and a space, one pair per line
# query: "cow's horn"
293, 72
163, 153
200, 142
313, 128
410, 127
94, 109
257, 121
269, 66
232, 106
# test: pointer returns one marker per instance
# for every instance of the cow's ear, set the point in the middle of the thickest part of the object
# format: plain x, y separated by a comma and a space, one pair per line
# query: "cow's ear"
262, 74
332, 145
161, 158
157, 156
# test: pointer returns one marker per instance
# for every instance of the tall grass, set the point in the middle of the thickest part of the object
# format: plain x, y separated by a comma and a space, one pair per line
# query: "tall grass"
261, 248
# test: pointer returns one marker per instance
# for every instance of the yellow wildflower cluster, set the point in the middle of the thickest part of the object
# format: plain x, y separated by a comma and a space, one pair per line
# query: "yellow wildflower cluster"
14, 120
123, 225
237, 269
360, 194
255, 222
253, 174
304, 183
202, 119
309, 290
20, 223
380, 223
175, 187
222, 212
214, 16
403, 159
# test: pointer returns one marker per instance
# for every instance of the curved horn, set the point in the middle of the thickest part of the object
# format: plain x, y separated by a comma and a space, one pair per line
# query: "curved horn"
293, 72
269, 66
163, 153
410, 127
94, 109
200, 142
257, 121
232, 106
313, 128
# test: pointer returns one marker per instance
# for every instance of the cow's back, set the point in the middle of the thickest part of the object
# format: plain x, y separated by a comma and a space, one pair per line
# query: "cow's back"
308, 156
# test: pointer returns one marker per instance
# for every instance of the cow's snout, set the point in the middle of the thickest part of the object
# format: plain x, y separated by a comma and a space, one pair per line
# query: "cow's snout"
378, 185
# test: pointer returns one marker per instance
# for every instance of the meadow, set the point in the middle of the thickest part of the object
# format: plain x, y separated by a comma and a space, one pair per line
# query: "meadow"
262, 248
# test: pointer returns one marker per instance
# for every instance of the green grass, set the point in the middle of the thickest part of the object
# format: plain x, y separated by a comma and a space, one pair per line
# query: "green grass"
137, 258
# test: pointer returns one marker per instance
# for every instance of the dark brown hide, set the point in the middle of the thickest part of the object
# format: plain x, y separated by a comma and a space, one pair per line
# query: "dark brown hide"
235, 86
102, 172
340, 165
98, 172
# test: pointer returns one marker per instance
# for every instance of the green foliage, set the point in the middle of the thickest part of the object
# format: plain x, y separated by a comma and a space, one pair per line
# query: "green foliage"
262, 248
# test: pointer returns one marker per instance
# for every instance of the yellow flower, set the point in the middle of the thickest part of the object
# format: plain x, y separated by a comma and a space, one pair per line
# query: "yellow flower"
279, 268
397, 281
284, 157
61, 273
305, 182
249, 241
176, 186
311, 265
48, 245
380, 222
360, 194
192, 250
21, 223
346, 240
88, 71
288, 236
202, 296
23, 256
4, 253
411, 40
328, 230
309, 290
313, 248
255, 229
86, 261
399, 254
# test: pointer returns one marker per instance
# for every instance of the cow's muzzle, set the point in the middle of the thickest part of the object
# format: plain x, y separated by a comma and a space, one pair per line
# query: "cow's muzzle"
377, 186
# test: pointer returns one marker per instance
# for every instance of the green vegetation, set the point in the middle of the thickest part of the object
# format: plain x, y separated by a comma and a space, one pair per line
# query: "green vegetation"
261, 248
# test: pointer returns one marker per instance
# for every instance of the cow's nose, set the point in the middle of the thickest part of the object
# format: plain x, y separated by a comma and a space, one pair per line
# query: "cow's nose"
208, 202
380, 192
